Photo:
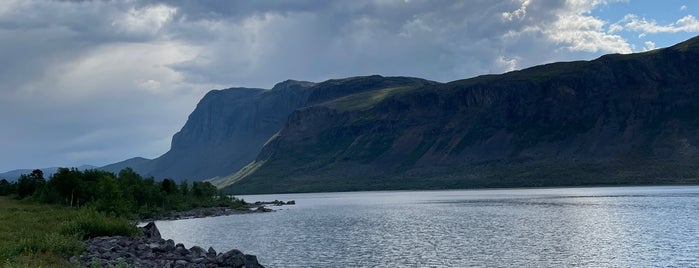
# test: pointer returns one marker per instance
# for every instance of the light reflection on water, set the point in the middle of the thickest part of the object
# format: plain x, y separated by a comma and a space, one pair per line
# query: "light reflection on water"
576, 227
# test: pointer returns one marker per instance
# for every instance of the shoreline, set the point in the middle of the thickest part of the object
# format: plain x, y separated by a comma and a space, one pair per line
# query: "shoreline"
151, 250
485, 188
257, 207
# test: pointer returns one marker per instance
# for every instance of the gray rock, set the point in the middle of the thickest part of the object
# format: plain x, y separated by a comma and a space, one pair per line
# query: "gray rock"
251, 262
156, 252
211, 253
263, 209
181, 264
197, 252
233, 258
151, 231
179, 249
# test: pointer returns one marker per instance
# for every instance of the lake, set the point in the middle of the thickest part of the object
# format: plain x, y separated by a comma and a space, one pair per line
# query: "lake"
575, 227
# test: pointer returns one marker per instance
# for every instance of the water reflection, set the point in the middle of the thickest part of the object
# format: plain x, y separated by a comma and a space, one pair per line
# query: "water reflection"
608, 227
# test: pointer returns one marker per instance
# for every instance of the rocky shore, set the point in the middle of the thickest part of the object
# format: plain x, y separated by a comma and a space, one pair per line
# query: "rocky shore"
256, 207
153, 251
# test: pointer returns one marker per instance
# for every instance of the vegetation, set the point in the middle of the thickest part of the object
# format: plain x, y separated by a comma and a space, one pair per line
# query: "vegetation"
126, 194
44, 235
365, 100
46, 220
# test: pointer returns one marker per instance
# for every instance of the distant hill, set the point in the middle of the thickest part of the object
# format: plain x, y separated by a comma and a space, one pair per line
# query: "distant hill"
619, 119
13, 175
139, 163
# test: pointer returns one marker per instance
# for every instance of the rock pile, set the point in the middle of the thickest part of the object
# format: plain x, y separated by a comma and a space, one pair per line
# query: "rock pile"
275, 203
153, 251
204, 212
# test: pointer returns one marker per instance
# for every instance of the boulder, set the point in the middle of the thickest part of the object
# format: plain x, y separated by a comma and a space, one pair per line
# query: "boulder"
251, 262
197, 252
152, 252
179, 249
151, 231
263, 209
211, 253
233, 258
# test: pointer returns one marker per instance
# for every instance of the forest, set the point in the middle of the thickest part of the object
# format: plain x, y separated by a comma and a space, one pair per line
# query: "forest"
126, 194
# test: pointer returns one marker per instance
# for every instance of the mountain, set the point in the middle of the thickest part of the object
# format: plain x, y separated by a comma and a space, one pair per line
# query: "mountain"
618, 119
229, 127
139, 163
13, 175
224, 132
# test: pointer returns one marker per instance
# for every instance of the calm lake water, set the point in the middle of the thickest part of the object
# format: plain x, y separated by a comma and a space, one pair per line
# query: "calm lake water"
573, 227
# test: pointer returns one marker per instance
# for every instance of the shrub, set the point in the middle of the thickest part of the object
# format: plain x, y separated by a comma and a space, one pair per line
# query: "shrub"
90, 223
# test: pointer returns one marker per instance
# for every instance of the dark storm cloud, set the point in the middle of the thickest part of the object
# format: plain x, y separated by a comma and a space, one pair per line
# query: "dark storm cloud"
251, 44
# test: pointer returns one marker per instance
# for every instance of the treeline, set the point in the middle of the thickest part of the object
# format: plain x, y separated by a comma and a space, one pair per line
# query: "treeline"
124, 194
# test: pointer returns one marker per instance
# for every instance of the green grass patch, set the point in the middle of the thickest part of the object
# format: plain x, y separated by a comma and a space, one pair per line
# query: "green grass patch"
364, 100
41, 235
90, 223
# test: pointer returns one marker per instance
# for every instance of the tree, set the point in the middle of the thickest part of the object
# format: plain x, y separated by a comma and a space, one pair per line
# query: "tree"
7, 188
110, 198
90, 182
131, 185
168, 186
203, 189
184, 188
27, 185
68, 185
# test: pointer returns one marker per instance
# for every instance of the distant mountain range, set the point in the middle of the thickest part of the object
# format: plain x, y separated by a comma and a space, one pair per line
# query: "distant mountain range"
15, 174
618, 119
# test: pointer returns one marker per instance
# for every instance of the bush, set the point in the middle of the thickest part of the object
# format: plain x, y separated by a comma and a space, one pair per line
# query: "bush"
90, 223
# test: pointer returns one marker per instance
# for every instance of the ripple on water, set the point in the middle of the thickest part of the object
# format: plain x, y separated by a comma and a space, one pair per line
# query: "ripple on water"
576, 227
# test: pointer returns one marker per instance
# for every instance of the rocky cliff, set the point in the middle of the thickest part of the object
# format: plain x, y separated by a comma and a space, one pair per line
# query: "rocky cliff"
228, 127
225, 131
619, 119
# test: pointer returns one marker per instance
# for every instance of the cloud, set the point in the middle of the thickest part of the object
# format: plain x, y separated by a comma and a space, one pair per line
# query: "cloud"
586, 33
517, 14
581, 31
634, 23
94, 82
79, 84
144, 21
648, 45
333, 39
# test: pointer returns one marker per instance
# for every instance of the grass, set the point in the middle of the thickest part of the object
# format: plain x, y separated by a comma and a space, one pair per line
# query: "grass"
246, 170
40, 235
364, 100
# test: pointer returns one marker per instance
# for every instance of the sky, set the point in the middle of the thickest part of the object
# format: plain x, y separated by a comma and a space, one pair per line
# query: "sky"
97, 82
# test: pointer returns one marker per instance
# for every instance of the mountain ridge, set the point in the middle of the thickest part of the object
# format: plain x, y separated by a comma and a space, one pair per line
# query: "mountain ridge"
618, 119
15, 174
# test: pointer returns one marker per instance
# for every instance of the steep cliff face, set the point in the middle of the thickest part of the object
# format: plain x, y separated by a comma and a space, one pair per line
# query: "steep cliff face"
228, 128
617, 119
226, 131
